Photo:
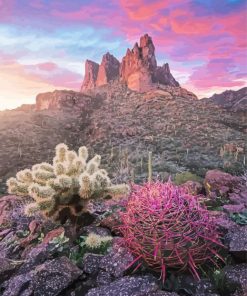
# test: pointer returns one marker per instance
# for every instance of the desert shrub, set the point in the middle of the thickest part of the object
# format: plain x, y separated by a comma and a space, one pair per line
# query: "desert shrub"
182, 178
166, 228
63, 189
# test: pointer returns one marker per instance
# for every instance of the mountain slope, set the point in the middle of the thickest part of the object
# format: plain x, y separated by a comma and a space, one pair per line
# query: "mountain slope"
234, 100
123, 125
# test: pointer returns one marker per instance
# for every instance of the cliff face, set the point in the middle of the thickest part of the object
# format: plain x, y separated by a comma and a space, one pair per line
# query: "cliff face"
60, 99
108, 69
138, 69
91, 74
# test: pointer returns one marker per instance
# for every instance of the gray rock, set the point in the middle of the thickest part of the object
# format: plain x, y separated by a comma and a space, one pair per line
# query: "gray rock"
160, 293
19, 285
238, 243
47, 279
235, 279
52, 277
36, 256
126, 286
117, 261
103, 278
7, 268
91, 262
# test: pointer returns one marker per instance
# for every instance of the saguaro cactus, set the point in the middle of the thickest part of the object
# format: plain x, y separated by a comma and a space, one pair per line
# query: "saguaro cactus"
67, 185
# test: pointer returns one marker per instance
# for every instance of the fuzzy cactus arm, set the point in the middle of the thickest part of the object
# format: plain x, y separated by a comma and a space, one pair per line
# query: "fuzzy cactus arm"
70, 156
93, 164
25, 176
83, 153
85, 186
38, 192
17, 187
61, 152
46, 167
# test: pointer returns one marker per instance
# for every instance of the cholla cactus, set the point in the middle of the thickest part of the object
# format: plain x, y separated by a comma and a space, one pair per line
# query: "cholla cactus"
65, 186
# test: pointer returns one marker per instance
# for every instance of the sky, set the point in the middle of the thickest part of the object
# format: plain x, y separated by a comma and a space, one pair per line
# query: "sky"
44, 44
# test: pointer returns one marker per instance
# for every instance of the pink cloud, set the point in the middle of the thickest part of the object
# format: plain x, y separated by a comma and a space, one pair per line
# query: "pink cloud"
6, 9
217, 73
139, 12
51, 73
49, 66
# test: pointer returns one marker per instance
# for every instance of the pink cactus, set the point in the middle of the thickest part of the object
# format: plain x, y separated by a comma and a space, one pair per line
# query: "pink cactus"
167, 228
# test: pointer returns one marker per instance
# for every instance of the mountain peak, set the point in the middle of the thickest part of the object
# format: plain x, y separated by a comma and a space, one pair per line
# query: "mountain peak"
138, 69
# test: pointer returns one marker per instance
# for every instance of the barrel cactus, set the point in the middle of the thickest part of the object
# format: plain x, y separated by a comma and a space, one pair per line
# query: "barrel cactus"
166, 228
66, 186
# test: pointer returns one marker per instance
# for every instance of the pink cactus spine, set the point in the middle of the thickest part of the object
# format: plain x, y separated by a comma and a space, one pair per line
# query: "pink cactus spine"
168, 228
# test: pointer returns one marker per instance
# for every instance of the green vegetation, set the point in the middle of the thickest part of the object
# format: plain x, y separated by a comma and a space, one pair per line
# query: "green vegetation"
182, 178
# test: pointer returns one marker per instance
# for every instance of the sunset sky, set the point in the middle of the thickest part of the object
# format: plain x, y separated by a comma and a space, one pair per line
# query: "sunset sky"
44, 43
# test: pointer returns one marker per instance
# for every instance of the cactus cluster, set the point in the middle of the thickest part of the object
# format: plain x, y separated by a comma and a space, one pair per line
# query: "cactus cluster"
65, 186
166, 228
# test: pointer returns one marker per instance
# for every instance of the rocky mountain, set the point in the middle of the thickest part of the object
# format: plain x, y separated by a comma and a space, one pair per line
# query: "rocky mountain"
117, 119
138, 69
234, 100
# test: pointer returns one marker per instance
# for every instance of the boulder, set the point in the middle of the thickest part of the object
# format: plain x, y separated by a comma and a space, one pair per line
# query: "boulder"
19, 285
47, 279
7, 268
235, 279
91, 263
238, 243
54, 276
118, 260
129, 285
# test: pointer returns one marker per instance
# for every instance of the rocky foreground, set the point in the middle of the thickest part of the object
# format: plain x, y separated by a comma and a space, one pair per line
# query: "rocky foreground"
40, 257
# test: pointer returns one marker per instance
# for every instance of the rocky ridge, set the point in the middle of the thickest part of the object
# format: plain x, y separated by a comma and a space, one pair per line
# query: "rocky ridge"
138, 69
232, 100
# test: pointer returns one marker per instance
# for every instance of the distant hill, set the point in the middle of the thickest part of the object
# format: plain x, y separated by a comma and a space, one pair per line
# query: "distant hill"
234, 100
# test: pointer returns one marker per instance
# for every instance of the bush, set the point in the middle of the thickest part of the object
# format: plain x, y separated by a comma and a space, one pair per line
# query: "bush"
182, 178
63, 189
165, 227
